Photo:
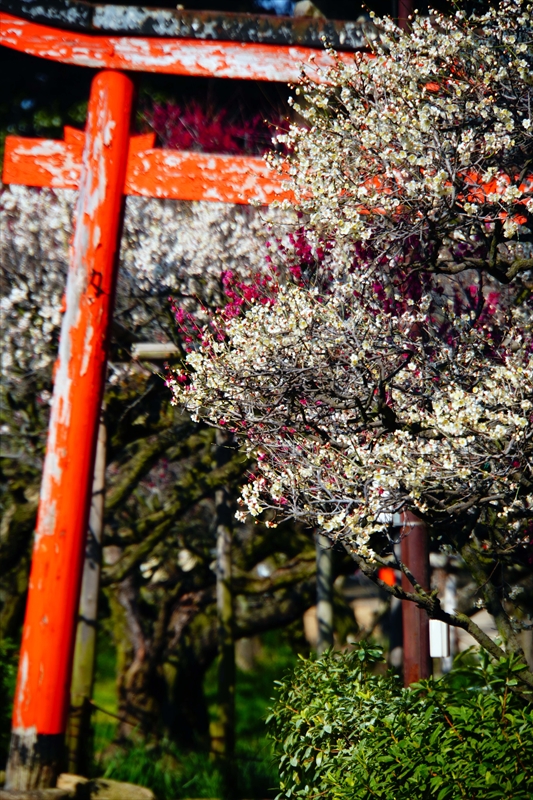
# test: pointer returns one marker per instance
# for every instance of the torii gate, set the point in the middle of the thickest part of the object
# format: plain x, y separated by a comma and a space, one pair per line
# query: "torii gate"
105, 163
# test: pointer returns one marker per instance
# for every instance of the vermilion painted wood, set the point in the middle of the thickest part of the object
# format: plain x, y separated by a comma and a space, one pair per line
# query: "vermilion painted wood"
41, 699
44, 162
151, 172
174, 174
196, 176
245, 61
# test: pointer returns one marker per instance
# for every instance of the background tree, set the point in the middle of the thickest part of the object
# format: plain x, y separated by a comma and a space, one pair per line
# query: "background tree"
162, 473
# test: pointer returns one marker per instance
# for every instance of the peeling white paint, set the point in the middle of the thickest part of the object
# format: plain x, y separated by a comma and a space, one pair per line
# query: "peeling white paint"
14, 30
23, 675
128, 17
213, 194
43, 147
47, 517
87, 349
59, 160
108, 131
238, 60
64, 15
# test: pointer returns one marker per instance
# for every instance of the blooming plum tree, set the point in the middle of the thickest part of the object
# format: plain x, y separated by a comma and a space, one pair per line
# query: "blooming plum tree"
393, 370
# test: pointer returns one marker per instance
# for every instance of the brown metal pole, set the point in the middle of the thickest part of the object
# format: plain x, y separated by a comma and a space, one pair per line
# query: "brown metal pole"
405, 10
415, 621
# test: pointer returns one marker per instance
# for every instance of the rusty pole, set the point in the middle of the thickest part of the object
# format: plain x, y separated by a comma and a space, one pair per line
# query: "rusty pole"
42, 693
405, 9
415, 621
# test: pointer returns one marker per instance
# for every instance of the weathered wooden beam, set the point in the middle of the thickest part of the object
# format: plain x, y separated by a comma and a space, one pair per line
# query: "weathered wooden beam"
186, 23
201, 58
150, 172
42, 693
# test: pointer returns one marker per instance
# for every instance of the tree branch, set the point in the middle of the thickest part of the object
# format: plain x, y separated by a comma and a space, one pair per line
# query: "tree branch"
195, 486
297, 569
143, 461
431, 604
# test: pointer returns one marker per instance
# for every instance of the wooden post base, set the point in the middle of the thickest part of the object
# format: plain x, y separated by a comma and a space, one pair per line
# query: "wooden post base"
35, 760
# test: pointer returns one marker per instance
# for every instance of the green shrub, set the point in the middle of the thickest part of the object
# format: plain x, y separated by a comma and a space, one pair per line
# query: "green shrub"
343, 731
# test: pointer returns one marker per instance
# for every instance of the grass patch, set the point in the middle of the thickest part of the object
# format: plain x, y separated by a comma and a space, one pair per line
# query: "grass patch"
104, 696
166, 771
173, 774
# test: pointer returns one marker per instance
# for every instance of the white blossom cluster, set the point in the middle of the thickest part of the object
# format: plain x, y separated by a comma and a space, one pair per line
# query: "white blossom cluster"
360, 394
428, 142
168, 248
354, 413
36, 229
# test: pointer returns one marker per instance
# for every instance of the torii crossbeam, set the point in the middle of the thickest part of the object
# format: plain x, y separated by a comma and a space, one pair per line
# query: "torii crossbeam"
105, 163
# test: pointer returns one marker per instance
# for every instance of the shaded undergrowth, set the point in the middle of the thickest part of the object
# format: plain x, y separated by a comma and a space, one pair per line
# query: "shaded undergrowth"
172, 773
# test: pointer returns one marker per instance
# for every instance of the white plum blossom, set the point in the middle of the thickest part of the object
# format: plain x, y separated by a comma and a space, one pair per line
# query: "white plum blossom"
360, 393
168, 248
425, 141
354, 413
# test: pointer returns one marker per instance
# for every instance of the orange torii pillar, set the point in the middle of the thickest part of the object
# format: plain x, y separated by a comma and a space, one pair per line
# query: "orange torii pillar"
104, 164
41, 698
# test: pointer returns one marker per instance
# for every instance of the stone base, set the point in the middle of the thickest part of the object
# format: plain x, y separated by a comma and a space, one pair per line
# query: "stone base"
34, 760
75, 787
102, 788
